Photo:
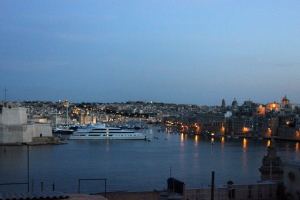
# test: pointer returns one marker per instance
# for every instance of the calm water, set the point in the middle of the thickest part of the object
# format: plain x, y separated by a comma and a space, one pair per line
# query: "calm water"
138, 165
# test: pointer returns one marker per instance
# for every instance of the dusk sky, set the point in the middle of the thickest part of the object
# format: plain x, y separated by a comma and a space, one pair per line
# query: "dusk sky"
189, 52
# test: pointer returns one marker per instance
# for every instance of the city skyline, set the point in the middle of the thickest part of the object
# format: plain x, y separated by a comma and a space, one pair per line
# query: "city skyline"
159, 102
182, 52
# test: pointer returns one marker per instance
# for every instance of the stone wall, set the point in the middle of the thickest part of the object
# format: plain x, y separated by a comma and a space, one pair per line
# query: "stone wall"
44, 129
12, 133
132, 195
13, 116
14, 127
255, 191
49, 140
23, 133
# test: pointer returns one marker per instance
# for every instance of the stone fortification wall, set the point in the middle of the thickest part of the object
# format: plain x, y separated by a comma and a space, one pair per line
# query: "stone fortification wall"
49, 140
44, 129
14, 116
23, 133
14, 127
12, 133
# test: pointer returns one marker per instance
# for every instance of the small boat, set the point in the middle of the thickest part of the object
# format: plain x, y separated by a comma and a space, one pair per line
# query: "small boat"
236, 137
58, 130
62, 131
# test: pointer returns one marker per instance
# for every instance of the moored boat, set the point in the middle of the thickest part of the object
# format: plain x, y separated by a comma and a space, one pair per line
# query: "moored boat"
62, 131
100, 132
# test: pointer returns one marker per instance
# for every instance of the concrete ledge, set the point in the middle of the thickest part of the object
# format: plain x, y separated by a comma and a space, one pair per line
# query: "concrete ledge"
46, 140
11, 144
132, 195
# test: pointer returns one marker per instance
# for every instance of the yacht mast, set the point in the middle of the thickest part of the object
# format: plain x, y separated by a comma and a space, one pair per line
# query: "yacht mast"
67, 106
56, 119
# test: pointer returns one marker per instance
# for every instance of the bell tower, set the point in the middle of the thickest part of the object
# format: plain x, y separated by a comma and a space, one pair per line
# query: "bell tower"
223, 104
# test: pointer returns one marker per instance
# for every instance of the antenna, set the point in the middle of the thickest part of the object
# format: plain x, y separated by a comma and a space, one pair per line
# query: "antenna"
5, 94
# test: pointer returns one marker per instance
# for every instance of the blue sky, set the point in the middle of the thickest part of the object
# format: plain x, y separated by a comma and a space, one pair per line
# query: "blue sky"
191, 52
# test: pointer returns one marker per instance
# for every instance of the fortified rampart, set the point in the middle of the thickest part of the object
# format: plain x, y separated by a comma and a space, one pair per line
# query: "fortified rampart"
13, 116
14, 127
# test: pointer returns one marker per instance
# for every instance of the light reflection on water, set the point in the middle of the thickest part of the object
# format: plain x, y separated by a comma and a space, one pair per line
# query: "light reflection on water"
222, 142
196, 140
244, 144
140, 165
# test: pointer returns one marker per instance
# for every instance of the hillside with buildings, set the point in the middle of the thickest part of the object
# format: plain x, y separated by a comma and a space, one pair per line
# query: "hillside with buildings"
277, 119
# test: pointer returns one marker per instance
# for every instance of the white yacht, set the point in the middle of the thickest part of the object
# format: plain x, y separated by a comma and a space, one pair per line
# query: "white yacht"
101, 132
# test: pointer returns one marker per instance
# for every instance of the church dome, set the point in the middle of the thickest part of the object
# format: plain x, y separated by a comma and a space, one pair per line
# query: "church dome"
234, 103
285, 100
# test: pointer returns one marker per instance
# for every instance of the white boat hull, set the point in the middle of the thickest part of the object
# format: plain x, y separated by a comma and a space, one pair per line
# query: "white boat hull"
100, 132
115, 137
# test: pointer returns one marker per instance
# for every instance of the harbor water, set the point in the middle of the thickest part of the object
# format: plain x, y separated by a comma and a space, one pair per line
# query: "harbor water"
129, 165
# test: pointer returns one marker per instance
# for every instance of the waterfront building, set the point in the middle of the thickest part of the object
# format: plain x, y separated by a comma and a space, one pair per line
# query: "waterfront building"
260, 125
211, 122
237, 125
273, 119
273, 123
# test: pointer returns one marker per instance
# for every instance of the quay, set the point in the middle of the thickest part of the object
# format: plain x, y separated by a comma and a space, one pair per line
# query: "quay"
255, 138
37, 141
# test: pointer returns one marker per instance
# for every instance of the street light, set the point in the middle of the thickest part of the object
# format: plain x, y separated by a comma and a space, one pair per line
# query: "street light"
28, 166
